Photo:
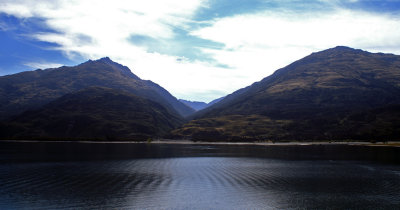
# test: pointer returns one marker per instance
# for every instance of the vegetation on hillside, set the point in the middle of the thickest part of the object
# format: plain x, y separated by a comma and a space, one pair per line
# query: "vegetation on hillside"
95, 113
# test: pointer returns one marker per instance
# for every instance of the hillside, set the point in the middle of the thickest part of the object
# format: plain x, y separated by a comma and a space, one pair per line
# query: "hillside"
339, 93
95, 113
32, 89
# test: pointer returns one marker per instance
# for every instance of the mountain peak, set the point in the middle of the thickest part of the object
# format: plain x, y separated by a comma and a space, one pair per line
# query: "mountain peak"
105, 59
114, 65
342, 49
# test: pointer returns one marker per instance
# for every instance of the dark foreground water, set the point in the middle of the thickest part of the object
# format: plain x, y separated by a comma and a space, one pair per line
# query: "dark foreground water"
162, 176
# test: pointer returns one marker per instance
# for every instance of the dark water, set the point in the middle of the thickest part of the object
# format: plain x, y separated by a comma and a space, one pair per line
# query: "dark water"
161, 176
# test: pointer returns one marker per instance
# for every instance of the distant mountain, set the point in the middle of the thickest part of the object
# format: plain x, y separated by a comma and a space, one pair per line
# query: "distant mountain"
95, 113
198, 105
339, 93
32, 89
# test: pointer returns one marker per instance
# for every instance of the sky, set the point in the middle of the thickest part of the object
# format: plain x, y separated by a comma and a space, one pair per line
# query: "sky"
196, 49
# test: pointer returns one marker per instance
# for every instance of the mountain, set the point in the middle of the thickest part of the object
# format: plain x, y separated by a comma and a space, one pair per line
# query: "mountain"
339, 93
196, 105
32, 89
94, 113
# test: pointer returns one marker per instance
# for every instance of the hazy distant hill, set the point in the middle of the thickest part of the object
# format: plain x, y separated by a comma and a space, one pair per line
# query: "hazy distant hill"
94, 113
198, 105
32, 89
339, 93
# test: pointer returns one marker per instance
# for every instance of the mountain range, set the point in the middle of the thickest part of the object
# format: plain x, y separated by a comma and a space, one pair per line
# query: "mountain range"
336, 94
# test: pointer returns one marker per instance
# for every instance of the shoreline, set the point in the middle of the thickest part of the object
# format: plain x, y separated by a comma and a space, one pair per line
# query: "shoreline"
188, 142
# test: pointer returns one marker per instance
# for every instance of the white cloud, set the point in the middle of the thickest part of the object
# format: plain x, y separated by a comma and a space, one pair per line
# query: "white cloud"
42, 65
258, 44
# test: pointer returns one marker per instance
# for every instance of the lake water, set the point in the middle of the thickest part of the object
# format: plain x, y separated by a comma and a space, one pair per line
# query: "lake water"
175, 176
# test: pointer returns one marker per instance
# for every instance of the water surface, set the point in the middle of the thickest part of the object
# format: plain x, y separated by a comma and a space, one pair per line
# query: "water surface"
142, 176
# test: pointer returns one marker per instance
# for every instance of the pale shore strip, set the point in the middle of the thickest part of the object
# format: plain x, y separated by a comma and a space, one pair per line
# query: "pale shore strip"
169, 141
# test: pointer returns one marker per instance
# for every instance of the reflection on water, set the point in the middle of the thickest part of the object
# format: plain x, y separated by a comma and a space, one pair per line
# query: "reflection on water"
140, 176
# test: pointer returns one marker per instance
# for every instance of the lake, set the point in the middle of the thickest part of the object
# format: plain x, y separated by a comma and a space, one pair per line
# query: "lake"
65, 175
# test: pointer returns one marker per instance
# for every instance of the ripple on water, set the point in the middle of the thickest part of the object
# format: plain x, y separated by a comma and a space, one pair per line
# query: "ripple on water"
207, 182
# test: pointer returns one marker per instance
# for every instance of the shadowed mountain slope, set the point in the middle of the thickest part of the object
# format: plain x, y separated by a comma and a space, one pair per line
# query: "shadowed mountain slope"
312, 98
29, 90
95, 113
